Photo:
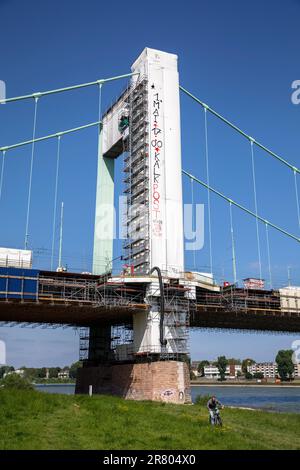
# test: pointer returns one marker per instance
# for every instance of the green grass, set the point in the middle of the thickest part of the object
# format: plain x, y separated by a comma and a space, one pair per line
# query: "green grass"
35, 420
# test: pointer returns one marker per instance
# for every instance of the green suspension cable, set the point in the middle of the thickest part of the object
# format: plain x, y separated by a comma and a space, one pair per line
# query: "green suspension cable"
255, 205
50, 136
100, 102
69, 88
208, 183
297, 198
31, 173
269, 257
247, 211
192, 191
232, 245
240, 131
2, 173
55, 199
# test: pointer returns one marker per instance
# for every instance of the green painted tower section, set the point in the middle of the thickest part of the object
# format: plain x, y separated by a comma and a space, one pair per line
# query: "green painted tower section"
104, 216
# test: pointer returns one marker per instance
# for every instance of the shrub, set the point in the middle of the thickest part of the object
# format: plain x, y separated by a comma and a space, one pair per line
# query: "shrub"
258, 375
15, 381
202, 400
193, 375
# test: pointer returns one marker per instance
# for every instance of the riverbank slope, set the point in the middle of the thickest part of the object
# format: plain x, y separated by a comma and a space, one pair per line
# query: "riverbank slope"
34, 420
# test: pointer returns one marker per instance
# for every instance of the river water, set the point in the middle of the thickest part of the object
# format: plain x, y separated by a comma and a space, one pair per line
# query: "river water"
280, 398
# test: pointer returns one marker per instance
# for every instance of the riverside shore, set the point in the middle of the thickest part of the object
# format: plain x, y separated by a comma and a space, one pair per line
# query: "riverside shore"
196, 383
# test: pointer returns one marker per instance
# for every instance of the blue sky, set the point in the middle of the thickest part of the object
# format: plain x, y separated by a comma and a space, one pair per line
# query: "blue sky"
239, 57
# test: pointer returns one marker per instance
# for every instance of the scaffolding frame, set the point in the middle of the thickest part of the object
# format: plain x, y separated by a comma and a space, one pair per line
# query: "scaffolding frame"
136, 181
176, 318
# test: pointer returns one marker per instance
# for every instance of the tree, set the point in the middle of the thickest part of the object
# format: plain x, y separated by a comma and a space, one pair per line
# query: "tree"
42, 372
74, 368
247, 362
5, 369
233, 361
29, 372
285, 364
248, 376
221, 365
53, 372
192, 375
201, 366
258, 375
15, 381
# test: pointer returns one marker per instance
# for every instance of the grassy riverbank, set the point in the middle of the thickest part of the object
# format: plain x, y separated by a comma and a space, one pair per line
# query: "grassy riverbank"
33, 420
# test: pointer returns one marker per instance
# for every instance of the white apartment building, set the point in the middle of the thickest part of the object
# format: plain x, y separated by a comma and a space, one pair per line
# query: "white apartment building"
232, 370
64, 374
297, 370
270, 369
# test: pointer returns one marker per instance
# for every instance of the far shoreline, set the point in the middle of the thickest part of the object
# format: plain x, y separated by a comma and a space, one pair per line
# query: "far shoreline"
198, 384
228, 384
54, 383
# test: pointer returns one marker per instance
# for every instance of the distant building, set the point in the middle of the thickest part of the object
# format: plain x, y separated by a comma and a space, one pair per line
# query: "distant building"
211, 371
19, 372
232, 371
270, 369
64, 374
297, 370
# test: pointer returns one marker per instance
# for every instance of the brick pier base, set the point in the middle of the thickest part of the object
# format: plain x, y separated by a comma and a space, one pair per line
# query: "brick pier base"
166, 381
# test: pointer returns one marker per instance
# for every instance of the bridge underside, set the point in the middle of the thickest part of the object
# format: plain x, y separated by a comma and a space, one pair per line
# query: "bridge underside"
87, 314
69, 313
245, 319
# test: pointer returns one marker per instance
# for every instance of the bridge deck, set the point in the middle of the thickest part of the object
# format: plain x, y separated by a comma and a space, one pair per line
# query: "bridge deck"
85, 300
76, 313
257, 319
87, 313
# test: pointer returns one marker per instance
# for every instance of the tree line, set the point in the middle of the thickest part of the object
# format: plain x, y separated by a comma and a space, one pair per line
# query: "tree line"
35, 373
284, 360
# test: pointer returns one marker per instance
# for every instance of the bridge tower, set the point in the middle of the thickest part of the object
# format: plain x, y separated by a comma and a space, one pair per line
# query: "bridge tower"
143, 125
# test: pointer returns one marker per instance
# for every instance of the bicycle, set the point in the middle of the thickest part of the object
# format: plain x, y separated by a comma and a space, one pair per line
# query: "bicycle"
215, 419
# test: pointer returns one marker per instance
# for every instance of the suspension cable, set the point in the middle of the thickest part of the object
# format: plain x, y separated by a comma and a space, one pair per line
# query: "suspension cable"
232, 245
297, 198
50, 136
192, 191
241, 132
100, 102
248, 211
69, 88
2, 173
208, 183
255, 205
36, 99
268, 253
55, 199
